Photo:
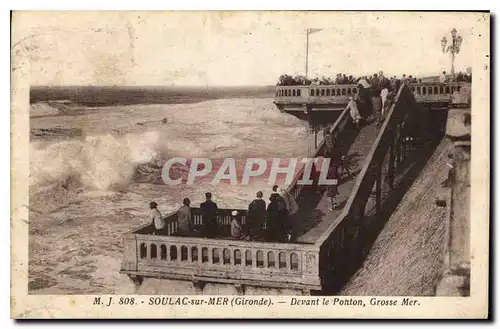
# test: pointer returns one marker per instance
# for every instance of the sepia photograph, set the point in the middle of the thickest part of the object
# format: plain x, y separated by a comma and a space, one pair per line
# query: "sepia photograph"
325, 157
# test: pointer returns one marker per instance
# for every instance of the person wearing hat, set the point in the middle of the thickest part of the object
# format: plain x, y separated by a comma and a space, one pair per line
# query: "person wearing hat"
156, 220
209, 212
236, 229
185, 222
256, 216
353, 111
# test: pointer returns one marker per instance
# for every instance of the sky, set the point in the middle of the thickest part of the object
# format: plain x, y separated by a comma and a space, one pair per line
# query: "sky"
236, 48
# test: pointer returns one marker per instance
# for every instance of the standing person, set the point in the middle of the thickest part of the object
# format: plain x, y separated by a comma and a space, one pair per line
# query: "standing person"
376, 99
328, 144
236, 229
278, 197
273, 218
383, 94
344, 166
291, 205
442, 77
256, 216
377, 107
382, 80
333, 189
156, 220
364, 101
186, 227
209, 211
315, 179
354, 112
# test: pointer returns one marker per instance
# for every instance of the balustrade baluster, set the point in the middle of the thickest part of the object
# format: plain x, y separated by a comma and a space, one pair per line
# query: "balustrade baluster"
148, 251
210, 255
254, 258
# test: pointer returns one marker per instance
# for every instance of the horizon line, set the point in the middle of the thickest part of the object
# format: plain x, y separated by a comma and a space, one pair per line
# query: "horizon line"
165, 85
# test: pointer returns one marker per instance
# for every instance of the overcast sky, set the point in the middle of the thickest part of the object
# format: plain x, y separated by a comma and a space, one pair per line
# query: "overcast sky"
239, 48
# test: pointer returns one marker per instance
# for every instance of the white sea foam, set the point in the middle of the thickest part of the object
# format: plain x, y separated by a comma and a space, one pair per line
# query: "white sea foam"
221, 128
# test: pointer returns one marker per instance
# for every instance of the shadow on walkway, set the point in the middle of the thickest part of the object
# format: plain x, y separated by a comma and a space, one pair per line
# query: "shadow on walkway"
416, 163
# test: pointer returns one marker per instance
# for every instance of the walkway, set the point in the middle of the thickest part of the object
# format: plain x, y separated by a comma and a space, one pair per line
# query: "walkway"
315, 215
406, 258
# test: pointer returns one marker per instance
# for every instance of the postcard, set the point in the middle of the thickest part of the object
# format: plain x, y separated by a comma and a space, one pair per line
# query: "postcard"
250, 164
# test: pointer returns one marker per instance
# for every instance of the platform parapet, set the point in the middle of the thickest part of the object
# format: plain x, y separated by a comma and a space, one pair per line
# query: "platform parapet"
456, 269
334, 97
219, 260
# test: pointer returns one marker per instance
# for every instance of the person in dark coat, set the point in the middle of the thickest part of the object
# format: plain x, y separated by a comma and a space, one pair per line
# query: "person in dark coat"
329, 145
276, 221
272, 218
279, 198
256, 216
364, 102
209, 212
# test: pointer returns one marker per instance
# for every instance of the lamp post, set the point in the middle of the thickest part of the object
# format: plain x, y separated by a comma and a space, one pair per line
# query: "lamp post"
453, 48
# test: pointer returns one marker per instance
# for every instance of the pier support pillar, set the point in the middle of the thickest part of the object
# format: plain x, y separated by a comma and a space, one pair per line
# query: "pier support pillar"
240, 289
136, 279
199, 286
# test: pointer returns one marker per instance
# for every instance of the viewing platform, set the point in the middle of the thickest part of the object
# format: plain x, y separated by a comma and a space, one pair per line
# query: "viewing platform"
335, 97
326, 245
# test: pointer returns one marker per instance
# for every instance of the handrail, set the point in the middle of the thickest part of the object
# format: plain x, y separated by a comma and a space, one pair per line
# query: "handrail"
361, 176
453, 83
267, 264
334, 130
450, 86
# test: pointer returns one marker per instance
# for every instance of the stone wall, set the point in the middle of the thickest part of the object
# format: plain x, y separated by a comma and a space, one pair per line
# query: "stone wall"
152, 286
456, 268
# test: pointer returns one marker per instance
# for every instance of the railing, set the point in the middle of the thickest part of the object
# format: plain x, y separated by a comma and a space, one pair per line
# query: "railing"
328, 94
339, 243
178, 257
268, 264
171, 220
335, 132
430, 93
339, 94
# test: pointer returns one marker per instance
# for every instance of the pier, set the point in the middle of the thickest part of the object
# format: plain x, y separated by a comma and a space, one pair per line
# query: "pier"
329, 245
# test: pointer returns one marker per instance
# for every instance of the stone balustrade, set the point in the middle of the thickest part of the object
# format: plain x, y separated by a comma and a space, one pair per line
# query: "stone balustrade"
268, 264
339, 94
262, 263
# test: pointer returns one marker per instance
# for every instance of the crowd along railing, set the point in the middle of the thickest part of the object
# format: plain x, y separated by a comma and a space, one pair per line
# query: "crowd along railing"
222, 259
339, 94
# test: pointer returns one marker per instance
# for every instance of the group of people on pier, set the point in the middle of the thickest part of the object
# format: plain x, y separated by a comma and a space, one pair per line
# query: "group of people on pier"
373, 99
340, 79
343, 79
269, 223
460, 77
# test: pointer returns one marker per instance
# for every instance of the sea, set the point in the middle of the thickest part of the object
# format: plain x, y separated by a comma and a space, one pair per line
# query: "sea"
92, 173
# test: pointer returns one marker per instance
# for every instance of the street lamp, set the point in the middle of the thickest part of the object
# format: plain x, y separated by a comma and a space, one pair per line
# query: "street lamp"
453, 49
